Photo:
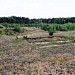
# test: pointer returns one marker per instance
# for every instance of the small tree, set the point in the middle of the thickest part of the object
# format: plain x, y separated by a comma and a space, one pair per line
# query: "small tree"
51, 30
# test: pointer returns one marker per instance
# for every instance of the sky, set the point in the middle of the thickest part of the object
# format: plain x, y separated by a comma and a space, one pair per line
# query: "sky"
37, 8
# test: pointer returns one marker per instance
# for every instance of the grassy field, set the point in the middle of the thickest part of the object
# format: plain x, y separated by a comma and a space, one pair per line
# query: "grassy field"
44, 55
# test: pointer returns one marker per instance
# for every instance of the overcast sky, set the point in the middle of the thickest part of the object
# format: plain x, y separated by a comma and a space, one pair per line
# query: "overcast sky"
37, 8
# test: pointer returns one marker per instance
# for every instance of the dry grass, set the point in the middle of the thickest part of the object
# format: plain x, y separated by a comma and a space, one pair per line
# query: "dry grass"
21, 57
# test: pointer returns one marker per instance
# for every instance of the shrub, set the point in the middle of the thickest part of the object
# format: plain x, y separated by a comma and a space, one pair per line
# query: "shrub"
17, 28
1, 32
51, 30
9, 32
5, 25
1, 26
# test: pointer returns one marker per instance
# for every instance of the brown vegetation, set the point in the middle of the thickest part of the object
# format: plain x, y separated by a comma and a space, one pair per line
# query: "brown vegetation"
24, 57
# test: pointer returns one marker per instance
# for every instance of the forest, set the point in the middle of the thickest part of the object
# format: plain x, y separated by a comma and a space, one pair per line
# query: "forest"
25, 20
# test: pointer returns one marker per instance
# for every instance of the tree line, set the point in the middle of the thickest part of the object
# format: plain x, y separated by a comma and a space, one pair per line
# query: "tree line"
24, 20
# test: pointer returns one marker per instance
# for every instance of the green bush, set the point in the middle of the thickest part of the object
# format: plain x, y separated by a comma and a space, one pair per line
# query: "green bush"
17, 28
1, 26
1, 32
51, 29
5, 25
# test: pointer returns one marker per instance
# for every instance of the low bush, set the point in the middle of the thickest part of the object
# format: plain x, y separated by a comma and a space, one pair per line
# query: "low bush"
9, 32
17, 28
5, 25
1, 32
